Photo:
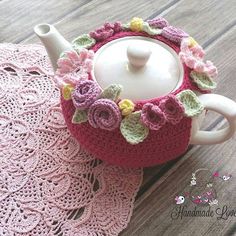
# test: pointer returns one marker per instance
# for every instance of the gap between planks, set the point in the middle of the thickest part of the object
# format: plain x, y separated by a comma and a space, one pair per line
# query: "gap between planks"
76, 10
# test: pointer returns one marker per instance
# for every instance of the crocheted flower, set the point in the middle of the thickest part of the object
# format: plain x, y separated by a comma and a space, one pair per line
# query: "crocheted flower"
172, 108
192, 42
85, 93
117, 26
152, 116
73, 67
174, 34
126, 106
158, 22
189, 47
66, 91
192, 55
136, 24
107, 30
104, 114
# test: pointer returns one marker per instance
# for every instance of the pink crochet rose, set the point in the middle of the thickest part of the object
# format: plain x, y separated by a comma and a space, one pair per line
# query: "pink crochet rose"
174, 34
193, 58
117, 26
107, 30
104, 114
158, 22
152, 116
85, 93
73, 67
172, 109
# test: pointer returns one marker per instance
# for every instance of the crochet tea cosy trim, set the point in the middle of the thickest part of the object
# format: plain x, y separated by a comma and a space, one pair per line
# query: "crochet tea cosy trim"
104, 109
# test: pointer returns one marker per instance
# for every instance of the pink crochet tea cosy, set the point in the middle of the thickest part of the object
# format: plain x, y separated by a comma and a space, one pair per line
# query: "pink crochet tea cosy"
120, 131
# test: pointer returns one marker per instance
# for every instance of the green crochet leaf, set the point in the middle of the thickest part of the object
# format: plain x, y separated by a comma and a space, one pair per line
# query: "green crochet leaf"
150, 30
79, 117
132, 129
191, 103
202, 80
62, 55
112, 92
83, 41
126, 26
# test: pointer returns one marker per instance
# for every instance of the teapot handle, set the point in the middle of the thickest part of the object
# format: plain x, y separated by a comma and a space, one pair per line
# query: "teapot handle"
225, 107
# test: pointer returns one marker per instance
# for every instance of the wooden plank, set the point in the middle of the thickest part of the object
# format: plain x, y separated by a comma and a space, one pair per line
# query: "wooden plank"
18, 17
204, 20
152, 174
181, 14
95, 14
152, 214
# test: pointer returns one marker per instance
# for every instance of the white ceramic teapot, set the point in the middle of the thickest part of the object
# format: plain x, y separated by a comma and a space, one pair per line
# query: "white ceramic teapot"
165, 91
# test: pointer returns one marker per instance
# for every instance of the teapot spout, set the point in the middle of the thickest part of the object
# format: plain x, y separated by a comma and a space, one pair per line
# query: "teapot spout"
53, 41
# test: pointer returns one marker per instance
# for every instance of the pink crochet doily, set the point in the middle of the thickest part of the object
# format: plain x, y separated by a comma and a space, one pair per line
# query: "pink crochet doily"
48, 184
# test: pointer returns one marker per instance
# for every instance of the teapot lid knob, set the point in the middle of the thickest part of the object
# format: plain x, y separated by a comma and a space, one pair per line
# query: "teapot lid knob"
138, 54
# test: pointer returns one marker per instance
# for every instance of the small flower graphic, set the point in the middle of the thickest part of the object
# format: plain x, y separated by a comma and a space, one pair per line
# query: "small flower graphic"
172, 108
193, 182
216, 174
152, 116
136, 24
213, 202
104, 114
209, 185
224, 177
126, 106
85, 93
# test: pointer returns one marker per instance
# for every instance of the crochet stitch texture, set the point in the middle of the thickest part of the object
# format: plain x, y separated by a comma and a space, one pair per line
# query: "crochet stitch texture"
49, 184
151, 131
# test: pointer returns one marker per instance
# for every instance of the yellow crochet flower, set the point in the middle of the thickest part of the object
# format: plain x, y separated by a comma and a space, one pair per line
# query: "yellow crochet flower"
66, 91
192, 42
136, 24
126, 106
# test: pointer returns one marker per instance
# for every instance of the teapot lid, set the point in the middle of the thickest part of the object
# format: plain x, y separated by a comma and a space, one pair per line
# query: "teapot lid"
145, 67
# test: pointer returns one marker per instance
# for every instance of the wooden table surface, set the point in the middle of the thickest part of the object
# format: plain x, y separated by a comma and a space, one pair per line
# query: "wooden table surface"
212, 24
